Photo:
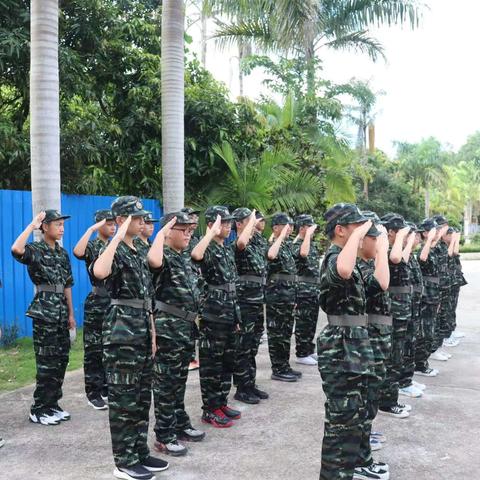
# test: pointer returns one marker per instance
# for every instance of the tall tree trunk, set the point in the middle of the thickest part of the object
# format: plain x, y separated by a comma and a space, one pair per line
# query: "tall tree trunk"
203, 36
467, 220
241, 56
44, 106
173, 157
427, 201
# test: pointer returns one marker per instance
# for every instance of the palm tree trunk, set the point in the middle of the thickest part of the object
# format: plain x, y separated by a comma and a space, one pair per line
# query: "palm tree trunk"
173, 104
427, 201
44, 106
203, 37
467, 219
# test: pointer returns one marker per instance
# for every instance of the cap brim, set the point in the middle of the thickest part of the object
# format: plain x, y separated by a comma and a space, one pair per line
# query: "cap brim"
153, 220
374, 232
140, 213
63, 217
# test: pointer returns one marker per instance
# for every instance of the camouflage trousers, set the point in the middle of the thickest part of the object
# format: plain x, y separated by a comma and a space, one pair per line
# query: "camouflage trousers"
306, 317
279, 328
374, 384
411, 338
51, 344
217, 347
441, 326
94, 313
345, 417
394, 364
128, 371
251, 330
452, 316
424, 344
175, 344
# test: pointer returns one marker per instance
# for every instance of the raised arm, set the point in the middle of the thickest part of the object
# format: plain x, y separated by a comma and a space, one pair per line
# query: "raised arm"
307, 241
155, 254
382, 270
275, 248
347, 258
199, 251
81, 246
247, 233
397, 248
407, 251
428, 245
18, 247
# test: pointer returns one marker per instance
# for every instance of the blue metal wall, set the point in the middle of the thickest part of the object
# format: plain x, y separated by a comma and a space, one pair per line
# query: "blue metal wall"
16, 289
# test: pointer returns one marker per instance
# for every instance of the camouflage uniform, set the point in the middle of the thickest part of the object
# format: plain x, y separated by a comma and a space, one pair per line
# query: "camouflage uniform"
308, 293
400, 290
280, 297
430, 304
459, 282
218, 321
251, 268
127, 353
141, 246
49, 312
441, 326
414, 326
176, 285
96, 304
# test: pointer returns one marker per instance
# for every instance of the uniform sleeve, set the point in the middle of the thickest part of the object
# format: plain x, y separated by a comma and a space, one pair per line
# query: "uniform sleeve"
372, 287
28, 257
116, 266
331, 272
69, 281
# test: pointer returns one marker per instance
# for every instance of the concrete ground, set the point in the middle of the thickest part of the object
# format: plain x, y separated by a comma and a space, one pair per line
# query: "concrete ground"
280, 439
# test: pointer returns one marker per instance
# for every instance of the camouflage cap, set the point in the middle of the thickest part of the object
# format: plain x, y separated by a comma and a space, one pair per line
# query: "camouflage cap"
304, 219
393, 221
371, 216
441, 220
182, 218
259, 215
281, 218
211, 213
373, 231
426, 225
190, 211
52, 215
343, 214
149, 218
451, 230
413, 226
104, 215
128, 205
242, 213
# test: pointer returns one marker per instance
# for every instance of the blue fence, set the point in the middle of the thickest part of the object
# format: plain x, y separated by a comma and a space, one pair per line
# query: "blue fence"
16, 289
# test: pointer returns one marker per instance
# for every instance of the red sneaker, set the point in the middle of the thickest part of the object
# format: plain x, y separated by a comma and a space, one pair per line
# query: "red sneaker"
230, 412
216, 418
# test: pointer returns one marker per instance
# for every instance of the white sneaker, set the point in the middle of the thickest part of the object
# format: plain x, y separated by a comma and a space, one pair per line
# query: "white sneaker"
2, 442
438, 356
61, 414
375, 444
396, 412
420, 386
405, 407
458, 334
429, 372
450, 342
373, 472
314, 356
306, 361
44, 418
410, 391
446, 354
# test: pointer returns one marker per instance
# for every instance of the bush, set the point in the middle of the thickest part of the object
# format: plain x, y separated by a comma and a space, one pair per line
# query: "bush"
9, 336
470, 248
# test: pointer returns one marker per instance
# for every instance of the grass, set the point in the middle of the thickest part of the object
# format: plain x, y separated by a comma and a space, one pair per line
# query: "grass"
17, 363
470, 248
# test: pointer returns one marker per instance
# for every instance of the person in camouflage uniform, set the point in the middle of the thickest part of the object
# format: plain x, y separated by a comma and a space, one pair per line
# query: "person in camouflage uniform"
251, 267
400, 290
307, 259
96, 304
280, 297
177, 301
430, 302
51, 311
345, 356
142, 242
127, 343
459, 282
219, 319
373, 263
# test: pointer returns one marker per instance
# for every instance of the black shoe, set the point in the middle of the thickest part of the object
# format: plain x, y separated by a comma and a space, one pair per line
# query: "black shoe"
135, 472
284, 377
98, 403
260, 393
295, 372
246, 397
154, 464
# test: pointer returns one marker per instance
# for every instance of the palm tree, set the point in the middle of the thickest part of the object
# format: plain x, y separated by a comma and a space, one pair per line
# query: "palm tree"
173, 160
44, 106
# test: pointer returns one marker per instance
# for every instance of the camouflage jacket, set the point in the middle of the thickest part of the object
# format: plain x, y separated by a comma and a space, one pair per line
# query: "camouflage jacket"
92, 251
343, 349
441, 251
416, 275
141, 246
378, 303
281, 291
458, 271
218, 268
307, 267
429, 268
250, 261
400, 276
130, 278
47, 266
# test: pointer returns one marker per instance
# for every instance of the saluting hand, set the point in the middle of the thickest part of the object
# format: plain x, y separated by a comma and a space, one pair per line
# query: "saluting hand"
432, 234
403, 232
216, 227
122, 230
168, 226
284, 232
37, 220
411, 238
382, 239
311, 230
364, 228
98, 225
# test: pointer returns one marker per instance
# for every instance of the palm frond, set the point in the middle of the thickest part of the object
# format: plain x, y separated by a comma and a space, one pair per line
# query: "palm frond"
360, 42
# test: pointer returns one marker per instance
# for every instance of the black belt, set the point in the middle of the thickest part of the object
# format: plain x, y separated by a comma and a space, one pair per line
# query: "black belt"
226, 287
379, 319
432, 279
252, 278
304, 279
283, 277
406, 289
347, 320
144, 304
100, 291
50, 288
177, 312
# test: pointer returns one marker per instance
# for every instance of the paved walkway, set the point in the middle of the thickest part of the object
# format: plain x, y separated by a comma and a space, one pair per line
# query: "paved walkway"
277, 440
